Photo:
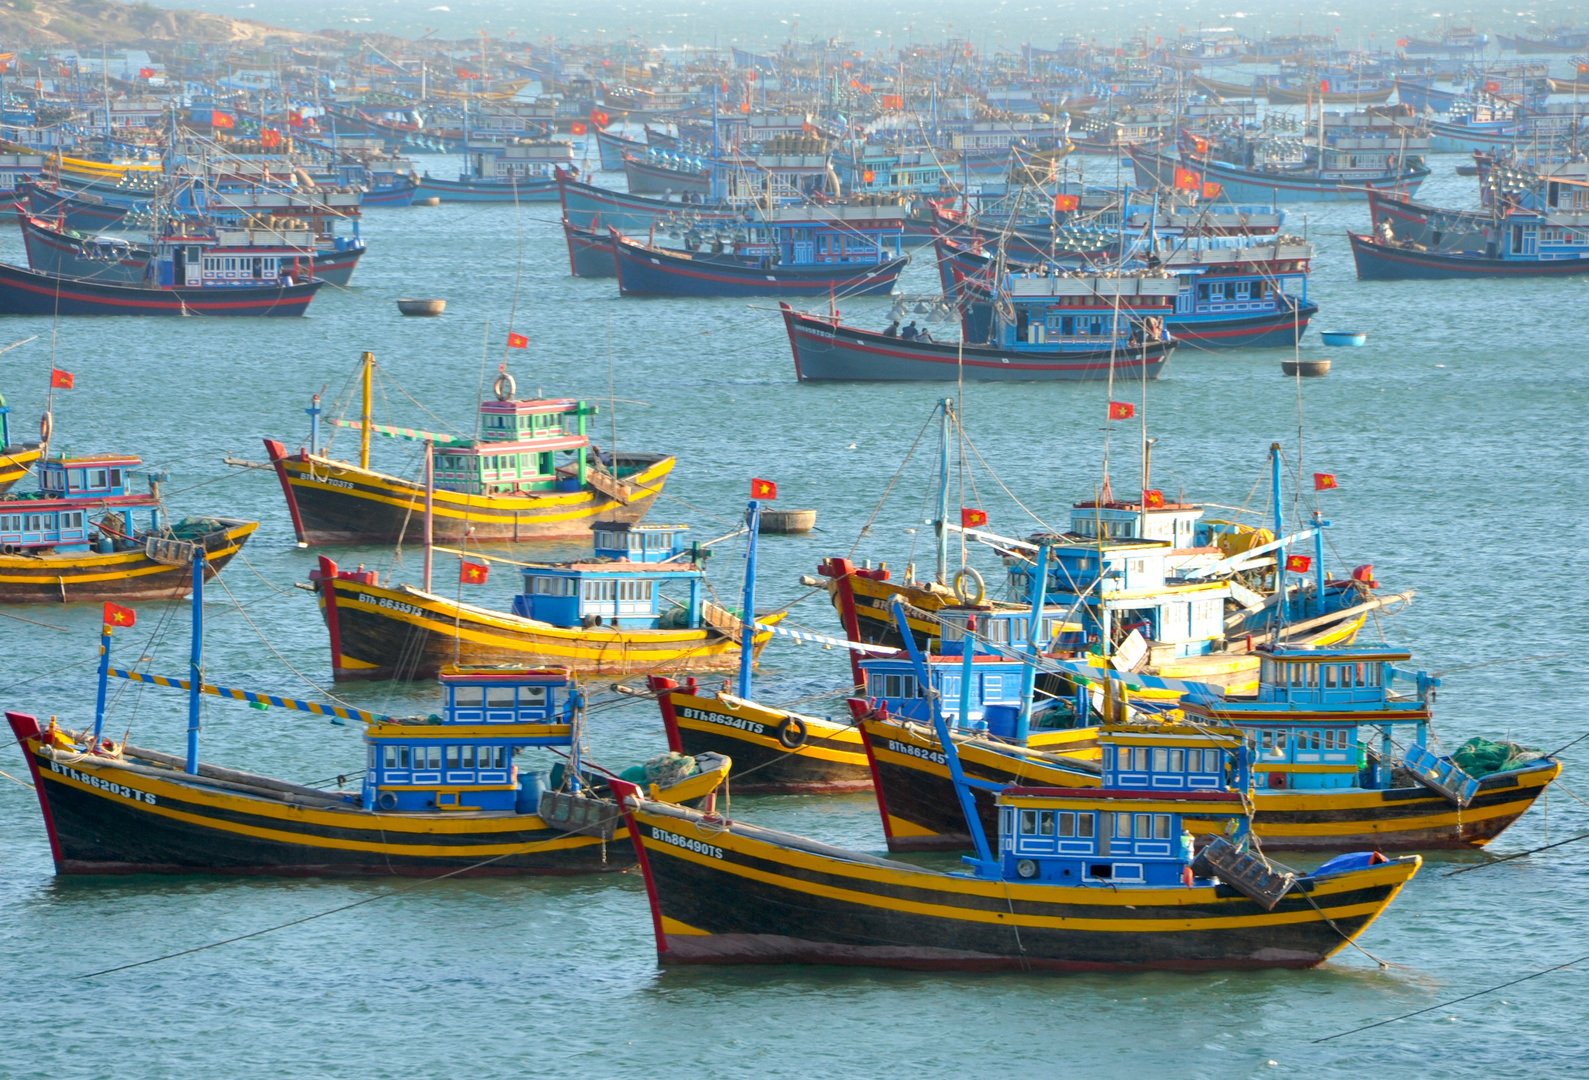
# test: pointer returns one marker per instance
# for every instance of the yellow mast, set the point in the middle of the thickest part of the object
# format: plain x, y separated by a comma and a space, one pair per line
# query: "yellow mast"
364, 428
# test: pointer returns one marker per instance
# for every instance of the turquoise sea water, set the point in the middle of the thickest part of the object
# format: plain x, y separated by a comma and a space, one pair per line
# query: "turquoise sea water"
1457, 435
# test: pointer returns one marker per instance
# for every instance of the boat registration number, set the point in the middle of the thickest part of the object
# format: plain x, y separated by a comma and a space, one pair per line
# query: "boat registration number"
915, 751
102, 784
726, 721
686, 842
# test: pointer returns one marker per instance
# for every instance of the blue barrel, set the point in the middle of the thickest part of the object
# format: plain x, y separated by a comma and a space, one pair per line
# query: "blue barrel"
1001, 720
530, 787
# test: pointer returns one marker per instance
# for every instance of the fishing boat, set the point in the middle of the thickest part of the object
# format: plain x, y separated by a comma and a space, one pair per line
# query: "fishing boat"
1340, 176
184, 278
864, 267
606, 615
590, 253
612, 147
665, 172
1335, 766
1232, 292
533, 474
441, 794
1101, 878
1524, 244
584, 205
55, 249
53, 549
523, 172
1089, 326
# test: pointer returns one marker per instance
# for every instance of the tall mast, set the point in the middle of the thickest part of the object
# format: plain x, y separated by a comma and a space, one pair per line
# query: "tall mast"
430, 506
364, 428
196, 660
942, 524
747, 615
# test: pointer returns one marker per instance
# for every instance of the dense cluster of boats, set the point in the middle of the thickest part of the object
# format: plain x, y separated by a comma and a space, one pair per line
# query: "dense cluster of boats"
1121, 731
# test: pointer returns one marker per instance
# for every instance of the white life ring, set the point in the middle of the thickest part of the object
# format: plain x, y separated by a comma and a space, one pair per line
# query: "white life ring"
959, 583
503, 378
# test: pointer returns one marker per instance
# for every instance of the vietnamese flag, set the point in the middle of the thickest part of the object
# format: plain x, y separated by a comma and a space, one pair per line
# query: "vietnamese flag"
1066, 202
1324, 481
518, 341
1121, 410
1153, 499
577, 128
763, 489
1186, 179
116, 615
1298, 564
1212, 190
221, 120
294, 118
146, 73
269, 137
970, 519
60, 380
599, 118
473, 573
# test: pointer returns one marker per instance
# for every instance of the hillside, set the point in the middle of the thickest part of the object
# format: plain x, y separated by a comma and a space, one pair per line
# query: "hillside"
33, 24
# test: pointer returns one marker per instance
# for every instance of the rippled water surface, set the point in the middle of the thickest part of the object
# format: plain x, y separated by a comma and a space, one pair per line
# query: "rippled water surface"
1458, 438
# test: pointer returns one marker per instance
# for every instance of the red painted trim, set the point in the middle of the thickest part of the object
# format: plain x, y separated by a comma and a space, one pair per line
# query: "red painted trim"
328, 594
568, 235
848, 614
621, 790
26, 729
277, 452
670, 719
877, 781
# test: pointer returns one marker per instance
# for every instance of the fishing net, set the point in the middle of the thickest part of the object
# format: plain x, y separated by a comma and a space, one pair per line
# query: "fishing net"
664, 770
1480, 757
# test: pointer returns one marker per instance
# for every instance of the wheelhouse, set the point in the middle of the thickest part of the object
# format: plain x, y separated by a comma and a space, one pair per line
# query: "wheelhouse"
621, 586
462, 759
524, 446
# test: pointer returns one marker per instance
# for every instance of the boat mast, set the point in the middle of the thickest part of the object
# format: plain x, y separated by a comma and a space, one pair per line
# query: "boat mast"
196, 660
747, 615
364, 428
1280, 553
1029, 662
430, 500
941, 526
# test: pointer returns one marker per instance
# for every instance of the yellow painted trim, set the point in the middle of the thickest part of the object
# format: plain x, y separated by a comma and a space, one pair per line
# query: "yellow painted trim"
464, 731
900, 827
673, 926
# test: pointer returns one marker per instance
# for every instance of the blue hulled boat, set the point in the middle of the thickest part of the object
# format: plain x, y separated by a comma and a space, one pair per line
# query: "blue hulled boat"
523, 172
1525, 246
589, 251
1335, 180
586, 206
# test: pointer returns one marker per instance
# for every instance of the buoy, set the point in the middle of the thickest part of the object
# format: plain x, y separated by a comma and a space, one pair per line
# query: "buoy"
1305, 368
429, 200
426, 308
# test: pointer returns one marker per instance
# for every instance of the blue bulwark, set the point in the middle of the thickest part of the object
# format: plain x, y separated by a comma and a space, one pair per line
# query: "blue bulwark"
61, 514
462, 759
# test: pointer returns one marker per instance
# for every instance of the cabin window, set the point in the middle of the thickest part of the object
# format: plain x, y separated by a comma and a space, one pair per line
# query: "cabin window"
899, 686
1329, 676
532, 697
431, 754
499, 697
101, 478
465, 697
1266, 741
1037, 823
1177, 760
468, 756
453, 756
992, 686
1280, 742
1122, 826
390, 756
1374, 674
1161, 760
74, 480
1312, 675
1066, 824
635, 590
1295, 671
1243, 290
1161, 826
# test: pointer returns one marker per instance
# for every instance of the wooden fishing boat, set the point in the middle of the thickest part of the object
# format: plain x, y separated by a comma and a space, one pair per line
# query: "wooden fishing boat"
522, 172
776, 750
648, 270
1372, 94
1098, 879
481, 490
827, 350
84, 211
1302, 183
1518, 252
648, 174
1312, 791
441, 795
53, 550
612, 147
590, 252
58, 250
25, 292
583, 204
605, 616
18, 459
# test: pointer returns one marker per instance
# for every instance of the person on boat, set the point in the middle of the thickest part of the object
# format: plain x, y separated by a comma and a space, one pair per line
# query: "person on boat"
1386, 233
909, 333
717, 245
923, 334
892, 330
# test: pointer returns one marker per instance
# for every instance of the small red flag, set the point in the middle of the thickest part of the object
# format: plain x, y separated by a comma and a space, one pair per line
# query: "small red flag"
1186, 179
116, 615
970, 519
763, 489
221, 120
599, 118
518, 341
1121, 410
60, 380
577, 128
1324, 87
1066, 202
1323, 481
146, 73
1298, 564
472, 573
1212, 190
1153, 499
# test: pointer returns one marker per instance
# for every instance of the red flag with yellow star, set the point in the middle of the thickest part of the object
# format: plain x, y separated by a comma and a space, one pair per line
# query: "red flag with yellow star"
1121, 410
473, 573
1298, 564
763, 489
1323, 481
116, 615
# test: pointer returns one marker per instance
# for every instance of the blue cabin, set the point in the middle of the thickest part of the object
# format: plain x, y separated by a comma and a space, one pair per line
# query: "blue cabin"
1057, 312
1131, 830
61, 514
1312, 725
996, 682
621, 585
462, 759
